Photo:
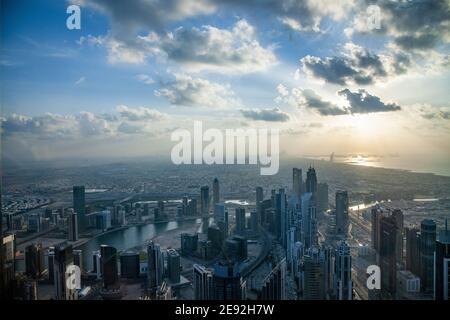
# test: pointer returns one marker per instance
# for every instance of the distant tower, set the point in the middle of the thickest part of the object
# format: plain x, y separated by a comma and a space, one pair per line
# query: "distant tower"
259, 200
297, 182
343, 272
398, 216
282, 217
311, 181
79, 206
216, 191
442, 265
240, 221
427, 249
342, 213
221, 218
72, 226
309, 221
204, 200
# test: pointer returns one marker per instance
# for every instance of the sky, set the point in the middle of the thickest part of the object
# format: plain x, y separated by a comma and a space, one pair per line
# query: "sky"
348, 76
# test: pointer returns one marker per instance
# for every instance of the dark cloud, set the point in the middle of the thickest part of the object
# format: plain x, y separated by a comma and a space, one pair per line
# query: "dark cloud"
359, 66
413, 24
358, 102
310, 99
363, 102
272, 115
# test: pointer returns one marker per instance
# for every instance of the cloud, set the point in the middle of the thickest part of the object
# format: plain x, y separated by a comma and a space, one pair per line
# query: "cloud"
140, 113
363, 102
146, 79
357, 66
51, 126
196, 92
234, 50
356, 102
433, 113
413, 25
129, 17
271, 115
80, 81
309, 99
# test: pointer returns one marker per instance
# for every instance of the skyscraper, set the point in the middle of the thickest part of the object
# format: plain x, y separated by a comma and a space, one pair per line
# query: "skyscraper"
240, 221
79, 206
221, 218
204, 200
228, 283
412, 250
155, 267
259, 202
377, 213
442, 265
63, 259
109, 268
309, 221
322, 197
343, 272
281, 217
34, 260
72, 226
342, 213
388, 255
129, 265
274, 285
427, 249
398, 216
313, 279
216, 191
173, 265
259, 195
9, 263
311, 181
297, 182
203, 283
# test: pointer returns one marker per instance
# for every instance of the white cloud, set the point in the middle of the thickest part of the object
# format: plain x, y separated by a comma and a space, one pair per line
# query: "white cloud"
196, 92
140, 113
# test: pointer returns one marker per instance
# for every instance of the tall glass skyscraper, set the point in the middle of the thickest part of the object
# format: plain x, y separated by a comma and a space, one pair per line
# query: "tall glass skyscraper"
79, 205
427, 249
216, 191
342, 213
204, 200
442, 265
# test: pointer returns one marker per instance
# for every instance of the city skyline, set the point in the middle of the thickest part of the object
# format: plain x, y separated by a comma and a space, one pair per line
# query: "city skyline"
242, 152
